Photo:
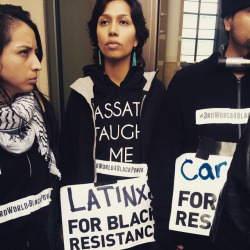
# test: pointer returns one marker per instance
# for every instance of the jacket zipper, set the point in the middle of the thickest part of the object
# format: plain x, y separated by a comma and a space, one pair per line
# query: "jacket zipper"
239, 101
29, 165
142, 104
94, 146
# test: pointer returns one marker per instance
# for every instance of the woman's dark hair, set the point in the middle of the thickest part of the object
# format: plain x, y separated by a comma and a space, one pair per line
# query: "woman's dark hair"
138, 19
9, 15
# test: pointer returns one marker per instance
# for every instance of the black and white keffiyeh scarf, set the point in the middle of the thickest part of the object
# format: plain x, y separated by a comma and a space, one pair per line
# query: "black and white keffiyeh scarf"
21, 124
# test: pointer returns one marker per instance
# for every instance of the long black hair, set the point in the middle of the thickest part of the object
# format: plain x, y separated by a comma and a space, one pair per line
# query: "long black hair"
138, 19
9, 15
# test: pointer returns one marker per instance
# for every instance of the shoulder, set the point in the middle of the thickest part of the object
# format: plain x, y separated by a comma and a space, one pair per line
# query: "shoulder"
84, 86
155, 83
82, 83
210, 63
76, 99
194, 74
158, 86
157, 91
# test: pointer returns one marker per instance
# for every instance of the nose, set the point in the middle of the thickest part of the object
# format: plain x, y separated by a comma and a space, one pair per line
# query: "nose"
113, 29
36, 65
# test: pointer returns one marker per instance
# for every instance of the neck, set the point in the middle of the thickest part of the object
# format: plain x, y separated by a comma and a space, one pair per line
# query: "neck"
6, 98
117, 70
234, 50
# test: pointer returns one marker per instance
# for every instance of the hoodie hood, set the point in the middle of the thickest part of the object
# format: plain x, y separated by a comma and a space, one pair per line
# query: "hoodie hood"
102, 83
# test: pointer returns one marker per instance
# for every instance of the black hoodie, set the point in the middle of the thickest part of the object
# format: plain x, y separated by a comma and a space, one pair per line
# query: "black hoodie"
77, 140
117, 117
201, 86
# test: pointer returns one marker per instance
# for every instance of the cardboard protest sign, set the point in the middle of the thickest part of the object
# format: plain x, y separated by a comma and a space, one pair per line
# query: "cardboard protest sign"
114, 216
196, 190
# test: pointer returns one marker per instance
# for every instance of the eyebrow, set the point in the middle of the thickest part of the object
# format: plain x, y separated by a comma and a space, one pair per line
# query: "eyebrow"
121, 15
26, 47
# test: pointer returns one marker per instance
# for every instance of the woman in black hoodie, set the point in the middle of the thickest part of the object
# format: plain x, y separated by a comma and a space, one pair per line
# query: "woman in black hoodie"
27, 136
114, 114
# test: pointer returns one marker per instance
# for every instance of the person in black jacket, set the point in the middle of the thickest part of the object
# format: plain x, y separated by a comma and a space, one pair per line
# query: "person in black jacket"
230, 229
114, 113
207, 109
27, 137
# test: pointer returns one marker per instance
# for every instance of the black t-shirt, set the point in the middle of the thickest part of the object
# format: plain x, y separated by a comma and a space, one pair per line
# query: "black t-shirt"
117, 125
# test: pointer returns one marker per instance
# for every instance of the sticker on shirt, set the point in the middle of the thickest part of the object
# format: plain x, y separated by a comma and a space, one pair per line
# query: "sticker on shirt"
113, 216
222, 116
121, 168
197, 186
25, 206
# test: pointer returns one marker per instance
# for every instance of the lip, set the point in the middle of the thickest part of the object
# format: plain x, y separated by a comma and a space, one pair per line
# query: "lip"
112, 44
33, 80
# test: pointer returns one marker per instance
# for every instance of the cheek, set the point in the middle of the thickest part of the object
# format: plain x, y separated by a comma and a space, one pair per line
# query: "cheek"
99, 37
10, 74
132, 38
132, 41
1, 67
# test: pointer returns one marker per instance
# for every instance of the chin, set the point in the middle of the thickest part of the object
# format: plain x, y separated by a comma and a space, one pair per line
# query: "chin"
118, 59
27, 90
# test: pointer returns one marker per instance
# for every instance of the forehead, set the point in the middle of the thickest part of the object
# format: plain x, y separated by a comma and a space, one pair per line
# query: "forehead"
247, 9
117, 7
241, 12
22, 34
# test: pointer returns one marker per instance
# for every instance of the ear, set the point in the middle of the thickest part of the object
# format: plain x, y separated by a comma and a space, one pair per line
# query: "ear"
136, 42
228, 22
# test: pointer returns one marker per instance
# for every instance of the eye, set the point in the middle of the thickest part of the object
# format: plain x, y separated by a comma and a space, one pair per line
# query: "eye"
104, 22
124, 22
24, 52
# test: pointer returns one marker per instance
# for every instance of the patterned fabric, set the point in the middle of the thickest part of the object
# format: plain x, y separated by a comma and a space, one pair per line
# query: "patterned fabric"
20, 124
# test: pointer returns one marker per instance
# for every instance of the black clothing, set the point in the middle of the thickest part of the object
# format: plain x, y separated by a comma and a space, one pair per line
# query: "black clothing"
77, 135
138, 102
23, 176
201, 86
117, 119
231, 224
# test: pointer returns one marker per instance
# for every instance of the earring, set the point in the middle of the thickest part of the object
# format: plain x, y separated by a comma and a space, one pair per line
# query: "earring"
100, 58
134, 59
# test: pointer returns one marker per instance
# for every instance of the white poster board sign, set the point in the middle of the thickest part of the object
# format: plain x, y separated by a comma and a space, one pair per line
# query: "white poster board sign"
196, 190
114, 216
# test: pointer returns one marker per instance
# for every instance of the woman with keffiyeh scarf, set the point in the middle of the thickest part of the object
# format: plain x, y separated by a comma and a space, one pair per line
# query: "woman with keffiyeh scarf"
27, 136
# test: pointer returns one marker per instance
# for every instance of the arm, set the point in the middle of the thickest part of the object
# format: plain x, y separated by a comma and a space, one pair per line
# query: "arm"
76, 142
167, 147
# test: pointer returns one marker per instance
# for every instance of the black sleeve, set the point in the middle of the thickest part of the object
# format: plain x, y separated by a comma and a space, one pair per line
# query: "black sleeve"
230, 229
76, 142
168, 141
